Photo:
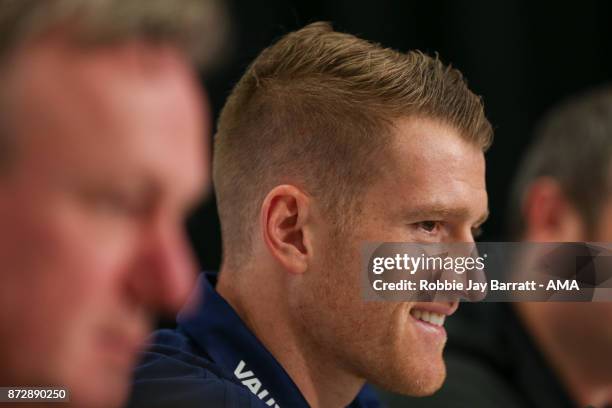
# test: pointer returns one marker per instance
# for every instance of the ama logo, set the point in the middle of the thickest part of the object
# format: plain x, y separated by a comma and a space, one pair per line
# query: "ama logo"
248, 379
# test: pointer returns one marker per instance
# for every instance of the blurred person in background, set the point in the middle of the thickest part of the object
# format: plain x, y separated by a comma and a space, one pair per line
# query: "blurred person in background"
103, 150
326, 142
544, 354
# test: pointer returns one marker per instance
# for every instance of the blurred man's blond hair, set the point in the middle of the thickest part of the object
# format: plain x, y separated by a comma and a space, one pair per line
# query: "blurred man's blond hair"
197, 27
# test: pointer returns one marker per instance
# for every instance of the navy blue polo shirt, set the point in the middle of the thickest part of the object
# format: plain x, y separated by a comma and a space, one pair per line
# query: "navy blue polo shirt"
213, 360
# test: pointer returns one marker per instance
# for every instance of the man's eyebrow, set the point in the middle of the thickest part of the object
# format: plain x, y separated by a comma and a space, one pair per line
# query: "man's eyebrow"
428, 211
440, 210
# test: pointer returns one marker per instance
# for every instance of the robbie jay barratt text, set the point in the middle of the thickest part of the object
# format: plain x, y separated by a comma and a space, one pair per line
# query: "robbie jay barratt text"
494, 285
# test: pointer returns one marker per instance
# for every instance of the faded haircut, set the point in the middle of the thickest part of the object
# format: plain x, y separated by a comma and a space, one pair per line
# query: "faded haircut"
317, 109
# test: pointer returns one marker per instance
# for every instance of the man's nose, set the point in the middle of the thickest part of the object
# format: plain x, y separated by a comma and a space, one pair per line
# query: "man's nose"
464, 245
475, 277
465, 235
163, 274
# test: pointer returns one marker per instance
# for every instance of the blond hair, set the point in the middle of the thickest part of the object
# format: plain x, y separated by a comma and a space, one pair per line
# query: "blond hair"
317, 109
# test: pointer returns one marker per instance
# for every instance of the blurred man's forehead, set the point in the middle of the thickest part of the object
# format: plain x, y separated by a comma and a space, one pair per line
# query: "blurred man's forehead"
134, 56
51, 71
135, 102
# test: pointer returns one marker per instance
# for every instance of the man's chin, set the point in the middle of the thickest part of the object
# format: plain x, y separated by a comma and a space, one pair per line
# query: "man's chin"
420, 382
430, 387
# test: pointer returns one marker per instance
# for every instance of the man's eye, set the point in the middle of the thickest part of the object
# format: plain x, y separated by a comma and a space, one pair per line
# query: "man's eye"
428, 226
114, 203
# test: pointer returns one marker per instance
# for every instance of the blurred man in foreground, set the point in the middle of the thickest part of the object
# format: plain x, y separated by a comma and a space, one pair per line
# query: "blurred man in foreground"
546, 354
103, 149
326, 142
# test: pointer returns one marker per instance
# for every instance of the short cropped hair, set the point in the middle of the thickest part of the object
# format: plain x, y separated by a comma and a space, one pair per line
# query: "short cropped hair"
197, 27
317, 108
572, 144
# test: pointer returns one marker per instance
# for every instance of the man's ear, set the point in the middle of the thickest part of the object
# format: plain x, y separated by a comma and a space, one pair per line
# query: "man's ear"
548, 215
284, 219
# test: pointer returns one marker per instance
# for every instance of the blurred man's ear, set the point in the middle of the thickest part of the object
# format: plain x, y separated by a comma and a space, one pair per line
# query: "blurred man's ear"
548, 215
284, 219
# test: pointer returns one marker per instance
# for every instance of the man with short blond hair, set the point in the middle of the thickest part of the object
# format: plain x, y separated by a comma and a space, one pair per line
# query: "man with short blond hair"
103, 142
327, 141
545, 354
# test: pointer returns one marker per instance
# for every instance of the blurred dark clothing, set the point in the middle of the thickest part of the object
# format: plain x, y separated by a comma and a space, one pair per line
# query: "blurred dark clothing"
213, 360
491, 362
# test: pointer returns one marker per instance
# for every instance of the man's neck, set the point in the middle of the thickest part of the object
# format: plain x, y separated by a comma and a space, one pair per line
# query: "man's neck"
265, 311
587, 385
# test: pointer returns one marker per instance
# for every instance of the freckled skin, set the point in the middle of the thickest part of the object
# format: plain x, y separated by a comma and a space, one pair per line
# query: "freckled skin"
430, 166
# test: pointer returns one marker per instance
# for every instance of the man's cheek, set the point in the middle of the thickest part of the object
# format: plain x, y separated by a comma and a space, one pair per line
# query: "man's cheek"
79, 263
368, 323
97, 247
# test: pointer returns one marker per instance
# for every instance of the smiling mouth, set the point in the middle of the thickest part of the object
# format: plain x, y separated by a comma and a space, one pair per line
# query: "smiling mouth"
435, 319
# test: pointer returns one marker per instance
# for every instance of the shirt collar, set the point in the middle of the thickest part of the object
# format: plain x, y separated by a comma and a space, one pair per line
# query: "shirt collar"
221, 333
